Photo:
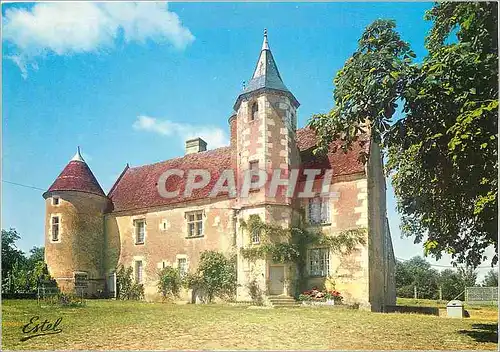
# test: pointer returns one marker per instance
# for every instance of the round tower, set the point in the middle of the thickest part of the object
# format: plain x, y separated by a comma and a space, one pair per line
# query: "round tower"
74, 228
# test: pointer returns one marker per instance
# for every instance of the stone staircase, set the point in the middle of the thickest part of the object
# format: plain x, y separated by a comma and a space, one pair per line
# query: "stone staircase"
283, 301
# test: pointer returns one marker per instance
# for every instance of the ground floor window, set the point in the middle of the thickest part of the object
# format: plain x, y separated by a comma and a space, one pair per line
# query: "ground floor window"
319, 261
138, 271
182, 266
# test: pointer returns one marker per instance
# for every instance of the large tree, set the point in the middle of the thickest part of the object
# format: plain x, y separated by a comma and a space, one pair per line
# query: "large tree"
416, 272
10, 253
451, 285
491, 278
441, 148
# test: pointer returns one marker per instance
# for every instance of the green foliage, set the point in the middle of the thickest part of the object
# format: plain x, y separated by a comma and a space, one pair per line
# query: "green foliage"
468, 276
169, 283
442, 150
491, 279
127, 289
255, 291
290, 245
215, 276
10, 253
416, 272
451, 285
21, 273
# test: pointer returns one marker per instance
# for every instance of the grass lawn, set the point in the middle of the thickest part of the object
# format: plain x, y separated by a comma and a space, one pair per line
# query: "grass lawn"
107, 324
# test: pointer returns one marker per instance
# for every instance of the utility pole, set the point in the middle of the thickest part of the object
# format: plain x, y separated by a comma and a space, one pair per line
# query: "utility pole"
415, 292
440, 293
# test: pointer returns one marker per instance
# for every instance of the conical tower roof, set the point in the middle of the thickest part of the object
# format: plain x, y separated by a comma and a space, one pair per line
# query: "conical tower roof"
266, 76
76, 176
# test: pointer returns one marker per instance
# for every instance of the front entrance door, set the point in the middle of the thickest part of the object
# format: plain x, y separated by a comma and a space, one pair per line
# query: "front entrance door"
277, 279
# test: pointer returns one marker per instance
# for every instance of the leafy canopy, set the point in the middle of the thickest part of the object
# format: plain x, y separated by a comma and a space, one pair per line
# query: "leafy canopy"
442, 148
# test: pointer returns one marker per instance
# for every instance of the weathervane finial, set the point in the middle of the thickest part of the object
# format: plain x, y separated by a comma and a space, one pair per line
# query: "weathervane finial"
78, 155
265, 44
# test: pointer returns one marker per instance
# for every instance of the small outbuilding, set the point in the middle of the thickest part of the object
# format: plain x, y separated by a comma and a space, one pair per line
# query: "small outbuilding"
455, 309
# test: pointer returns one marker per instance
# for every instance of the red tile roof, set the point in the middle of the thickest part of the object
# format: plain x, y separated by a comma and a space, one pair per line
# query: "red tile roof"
76, 176
341, 163
137, 186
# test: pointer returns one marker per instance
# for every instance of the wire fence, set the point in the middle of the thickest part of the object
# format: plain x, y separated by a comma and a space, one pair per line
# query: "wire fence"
481, 295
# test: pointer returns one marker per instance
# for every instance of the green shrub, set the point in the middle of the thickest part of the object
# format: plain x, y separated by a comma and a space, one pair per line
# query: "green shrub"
127, 289
255, 292
215, 276
170, 282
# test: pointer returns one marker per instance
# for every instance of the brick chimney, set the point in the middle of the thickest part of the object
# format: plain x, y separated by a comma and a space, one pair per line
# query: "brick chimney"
195, 145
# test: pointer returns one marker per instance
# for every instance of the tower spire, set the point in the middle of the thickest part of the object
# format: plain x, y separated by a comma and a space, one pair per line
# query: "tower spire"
265, 76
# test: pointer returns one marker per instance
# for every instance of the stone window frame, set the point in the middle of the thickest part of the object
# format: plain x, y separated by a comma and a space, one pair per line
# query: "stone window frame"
323, 221
253, 114
195, 221
59, 228
54, 202
324, 268
163, 225
255, 236
179, 257
143, 270
135, 229
251, 163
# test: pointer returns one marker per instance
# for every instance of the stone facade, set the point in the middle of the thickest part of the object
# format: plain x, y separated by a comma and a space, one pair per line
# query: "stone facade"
133, 227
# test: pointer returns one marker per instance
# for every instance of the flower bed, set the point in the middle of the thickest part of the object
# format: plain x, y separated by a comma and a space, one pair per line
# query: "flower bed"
318, 297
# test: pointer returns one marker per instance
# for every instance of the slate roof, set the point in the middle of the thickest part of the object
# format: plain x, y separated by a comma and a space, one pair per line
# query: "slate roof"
266, 76
137, 186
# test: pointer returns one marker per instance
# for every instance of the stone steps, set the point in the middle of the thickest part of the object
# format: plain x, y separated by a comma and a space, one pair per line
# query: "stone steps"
283, 301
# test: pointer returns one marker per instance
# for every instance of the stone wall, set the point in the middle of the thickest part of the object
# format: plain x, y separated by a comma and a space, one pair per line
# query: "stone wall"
381, 257
348, 273
81, 239
166, 239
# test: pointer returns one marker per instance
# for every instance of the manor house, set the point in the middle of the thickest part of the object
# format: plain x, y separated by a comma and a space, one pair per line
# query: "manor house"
89, 233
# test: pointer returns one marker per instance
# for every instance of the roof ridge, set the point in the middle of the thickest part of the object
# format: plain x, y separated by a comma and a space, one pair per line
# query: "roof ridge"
206, 152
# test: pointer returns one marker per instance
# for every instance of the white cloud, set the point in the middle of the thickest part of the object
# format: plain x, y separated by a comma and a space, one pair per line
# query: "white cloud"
214, 136
70, 28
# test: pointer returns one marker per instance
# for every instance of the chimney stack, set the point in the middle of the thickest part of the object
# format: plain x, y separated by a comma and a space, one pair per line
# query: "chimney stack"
195, 145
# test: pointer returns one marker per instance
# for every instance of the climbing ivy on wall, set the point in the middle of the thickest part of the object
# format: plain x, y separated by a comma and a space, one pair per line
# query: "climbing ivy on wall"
290, 245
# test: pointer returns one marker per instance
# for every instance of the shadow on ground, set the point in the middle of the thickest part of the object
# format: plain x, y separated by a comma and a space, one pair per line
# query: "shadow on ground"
482, 332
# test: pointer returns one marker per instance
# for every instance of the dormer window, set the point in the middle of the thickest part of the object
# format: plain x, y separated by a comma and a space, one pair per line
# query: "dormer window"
55, 200
255, 112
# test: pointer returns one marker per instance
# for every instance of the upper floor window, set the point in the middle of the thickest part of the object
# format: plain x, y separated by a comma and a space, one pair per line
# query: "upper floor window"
319, 261
55, 223
254, 170
195, 224
55, 200
182, 266
255, 112
256, 236
140, 230
138, 271
319, 211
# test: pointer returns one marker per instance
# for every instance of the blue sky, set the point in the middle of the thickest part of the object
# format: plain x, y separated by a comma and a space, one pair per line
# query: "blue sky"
180, 67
